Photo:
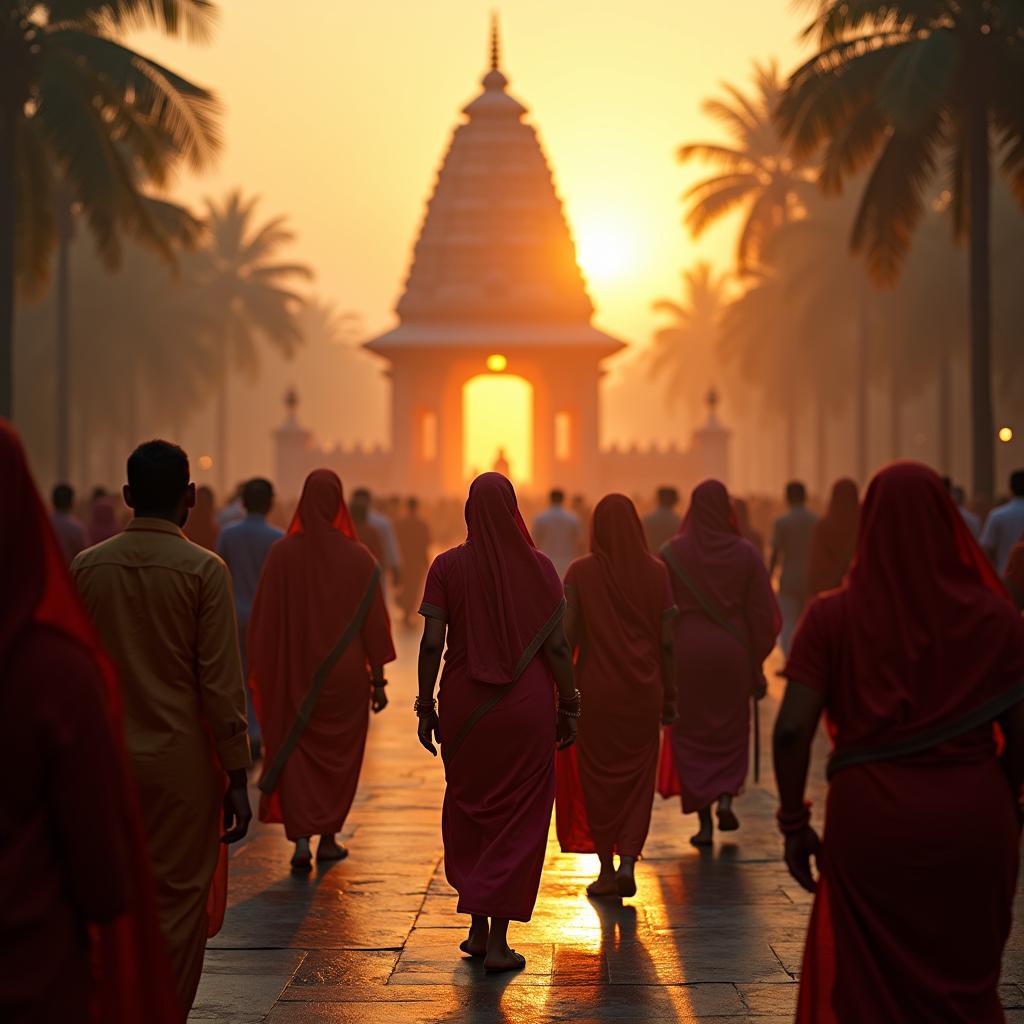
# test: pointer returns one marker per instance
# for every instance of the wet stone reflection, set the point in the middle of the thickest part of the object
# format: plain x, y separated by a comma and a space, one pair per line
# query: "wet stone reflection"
715, 935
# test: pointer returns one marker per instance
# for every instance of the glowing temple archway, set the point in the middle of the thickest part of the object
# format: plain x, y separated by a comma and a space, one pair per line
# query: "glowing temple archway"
497, 416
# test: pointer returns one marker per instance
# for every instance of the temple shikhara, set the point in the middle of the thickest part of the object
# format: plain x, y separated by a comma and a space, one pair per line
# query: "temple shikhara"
495, 290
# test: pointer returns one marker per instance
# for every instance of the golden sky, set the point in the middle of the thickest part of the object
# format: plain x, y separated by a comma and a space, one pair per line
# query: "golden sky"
338, 114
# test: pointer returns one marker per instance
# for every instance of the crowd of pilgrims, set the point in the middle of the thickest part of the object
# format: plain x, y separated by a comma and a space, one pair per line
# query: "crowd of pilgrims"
589, 662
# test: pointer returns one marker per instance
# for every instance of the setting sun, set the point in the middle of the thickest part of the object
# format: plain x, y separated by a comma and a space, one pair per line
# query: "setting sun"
604, 250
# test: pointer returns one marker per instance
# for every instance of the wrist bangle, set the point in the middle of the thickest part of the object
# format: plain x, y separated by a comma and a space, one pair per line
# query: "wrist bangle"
573, 707
792, 823
423, 708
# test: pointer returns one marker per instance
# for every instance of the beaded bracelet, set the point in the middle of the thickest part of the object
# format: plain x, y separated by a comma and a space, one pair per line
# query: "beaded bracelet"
792, 824
571, 708
423, 708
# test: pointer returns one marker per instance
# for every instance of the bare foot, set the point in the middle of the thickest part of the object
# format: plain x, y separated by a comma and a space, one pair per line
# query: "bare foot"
330, 850
727, 820
604, 884
302, 859
476, 943
504, 960
625, 880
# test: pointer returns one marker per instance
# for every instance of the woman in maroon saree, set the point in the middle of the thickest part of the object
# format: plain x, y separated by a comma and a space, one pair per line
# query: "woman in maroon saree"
79, 937
727, 623
618, 621
318, 623
499, 602
913, 660
834, 539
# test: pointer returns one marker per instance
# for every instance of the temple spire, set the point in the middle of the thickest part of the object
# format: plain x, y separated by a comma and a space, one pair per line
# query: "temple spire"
495, 43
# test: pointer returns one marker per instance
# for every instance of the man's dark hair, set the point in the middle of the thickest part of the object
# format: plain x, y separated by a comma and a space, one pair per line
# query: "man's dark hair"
258, 495
557, 496
158, 475
668, 497
796, 493
413, 504
362, 494
1017, 483
63, 497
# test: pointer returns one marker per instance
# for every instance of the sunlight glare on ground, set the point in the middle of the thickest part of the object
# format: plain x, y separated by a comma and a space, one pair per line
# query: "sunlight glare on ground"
498, 415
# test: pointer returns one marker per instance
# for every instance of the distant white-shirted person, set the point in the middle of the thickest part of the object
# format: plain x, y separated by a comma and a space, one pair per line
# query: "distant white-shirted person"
1005, 525
556, 531
791, 548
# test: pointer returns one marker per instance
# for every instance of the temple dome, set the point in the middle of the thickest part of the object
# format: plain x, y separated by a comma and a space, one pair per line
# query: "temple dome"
494, 248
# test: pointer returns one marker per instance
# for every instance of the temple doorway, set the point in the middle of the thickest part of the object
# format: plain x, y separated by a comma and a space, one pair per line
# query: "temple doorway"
497, 417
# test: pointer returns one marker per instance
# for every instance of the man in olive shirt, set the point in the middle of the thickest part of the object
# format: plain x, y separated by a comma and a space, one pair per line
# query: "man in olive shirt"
164, 610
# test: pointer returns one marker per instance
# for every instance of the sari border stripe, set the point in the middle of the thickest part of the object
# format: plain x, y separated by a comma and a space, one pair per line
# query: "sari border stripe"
930, 738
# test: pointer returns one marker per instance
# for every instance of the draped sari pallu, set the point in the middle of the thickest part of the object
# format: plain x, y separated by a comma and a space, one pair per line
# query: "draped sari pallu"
319, 624
915, 658
449, 750
268, 783
668, 777
500, 599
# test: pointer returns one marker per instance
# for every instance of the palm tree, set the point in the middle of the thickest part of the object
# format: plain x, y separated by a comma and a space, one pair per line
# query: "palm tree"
756, 170
248, 296
905, 86
83, 113
682, 357
148, 365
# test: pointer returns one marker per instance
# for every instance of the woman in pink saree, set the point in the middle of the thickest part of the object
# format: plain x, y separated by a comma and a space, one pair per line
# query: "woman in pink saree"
499, 603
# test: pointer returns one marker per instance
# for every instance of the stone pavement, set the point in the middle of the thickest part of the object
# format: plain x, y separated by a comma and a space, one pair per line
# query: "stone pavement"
711, 936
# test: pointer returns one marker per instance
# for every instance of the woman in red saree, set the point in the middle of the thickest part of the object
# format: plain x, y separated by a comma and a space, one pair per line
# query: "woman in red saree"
913, 660
834, 539
727, 624
79, 938
319, 638
499, 602
619, 622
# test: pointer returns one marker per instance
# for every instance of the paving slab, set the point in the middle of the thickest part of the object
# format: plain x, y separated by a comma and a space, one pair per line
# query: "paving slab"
712, 936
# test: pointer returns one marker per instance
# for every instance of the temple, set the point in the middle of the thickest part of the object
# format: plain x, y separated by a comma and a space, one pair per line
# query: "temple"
495, 290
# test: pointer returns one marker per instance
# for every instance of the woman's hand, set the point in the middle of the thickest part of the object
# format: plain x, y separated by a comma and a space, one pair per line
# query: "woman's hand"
669, 712
567, 726
379, 700
429, 730
800, 848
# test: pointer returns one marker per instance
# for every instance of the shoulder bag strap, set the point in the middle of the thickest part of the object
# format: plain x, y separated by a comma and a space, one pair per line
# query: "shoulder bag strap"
273, 774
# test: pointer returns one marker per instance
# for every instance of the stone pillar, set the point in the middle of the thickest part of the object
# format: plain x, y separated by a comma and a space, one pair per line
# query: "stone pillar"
710, 446
292, 445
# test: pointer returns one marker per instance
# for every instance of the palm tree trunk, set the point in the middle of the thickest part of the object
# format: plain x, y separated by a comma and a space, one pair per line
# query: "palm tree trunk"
83, 453
979, 184
8, 200
790, 443
62, 417
896, 411
821, 440
221, 428
944, 403
863, 366
131, 419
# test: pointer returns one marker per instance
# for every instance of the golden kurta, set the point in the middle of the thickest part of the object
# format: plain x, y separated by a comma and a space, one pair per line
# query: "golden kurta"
165, 613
